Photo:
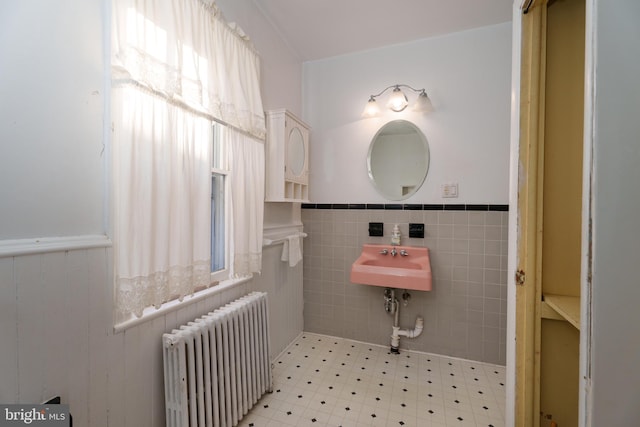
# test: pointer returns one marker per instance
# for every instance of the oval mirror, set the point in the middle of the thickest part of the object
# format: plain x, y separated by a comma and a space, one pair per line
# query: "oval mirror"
295, 152
398, 160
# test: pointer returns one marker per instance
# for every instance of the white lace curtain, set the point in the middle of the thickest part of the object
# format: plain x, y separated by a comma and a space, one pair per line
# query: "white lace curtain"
162, 200
176, 66
185, 50
246, 162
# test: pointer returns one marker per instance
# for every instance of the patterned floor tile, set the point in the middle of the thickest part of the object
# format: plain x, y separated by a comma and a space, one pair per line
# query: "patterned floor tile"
327, 381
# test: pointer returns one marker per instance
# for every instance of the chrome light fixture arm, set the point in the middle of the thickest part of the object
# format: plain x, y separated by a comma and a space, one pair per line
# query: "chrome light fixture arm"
398, 101
398, 86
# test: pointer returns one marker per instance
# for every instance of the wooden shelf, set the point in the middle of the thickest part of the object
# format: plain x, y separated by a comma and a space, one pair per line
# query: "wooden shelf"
562, 307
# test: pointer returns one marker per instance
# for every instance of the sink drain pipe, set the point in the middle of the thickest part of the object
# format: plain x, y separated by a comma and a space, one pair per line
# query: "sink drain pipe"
392, 306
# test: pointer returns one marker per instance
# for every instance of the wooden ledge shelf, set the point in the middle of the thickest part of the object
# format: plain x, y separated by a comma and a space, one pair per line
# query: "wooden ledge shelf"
561, 307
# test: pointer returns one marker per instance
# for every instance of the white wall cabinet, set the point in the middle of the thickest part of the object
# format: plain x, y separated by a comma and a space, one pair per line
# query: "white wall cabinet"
287, 158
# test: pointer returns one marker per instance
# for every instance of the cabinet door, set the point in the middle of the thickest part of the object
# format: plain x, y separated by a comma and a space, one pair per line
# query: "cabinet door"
549, 194
287, 158
296, 151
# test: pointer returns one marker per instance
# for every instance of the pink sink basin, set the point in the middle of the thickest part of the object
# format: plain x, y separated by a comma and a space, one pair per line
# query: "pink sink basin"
412, 271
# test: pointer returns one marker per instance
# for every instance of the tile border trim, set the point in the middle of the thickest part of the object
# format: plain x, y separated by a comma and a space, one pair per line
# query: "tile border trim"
407, 207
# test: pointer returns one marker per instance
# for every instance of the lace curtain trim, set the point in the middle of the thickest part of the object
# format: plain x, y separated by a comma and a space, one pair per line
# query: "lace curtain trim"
134, 294
148, 73
246, 264
122, 79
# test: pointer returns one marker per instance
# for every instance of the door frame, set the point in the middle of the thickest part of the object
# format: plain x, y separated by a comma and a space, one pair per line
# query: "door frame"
588, 215
523, 300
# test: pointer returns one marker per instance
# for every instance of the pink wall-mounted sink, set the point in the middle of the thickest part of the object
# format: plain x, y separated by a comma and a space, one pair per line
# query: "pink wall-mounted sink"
409, 268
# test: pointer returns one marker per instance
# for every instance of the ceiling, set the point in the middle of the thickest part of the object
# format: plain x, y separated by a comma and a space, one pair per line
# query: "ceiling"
316, 29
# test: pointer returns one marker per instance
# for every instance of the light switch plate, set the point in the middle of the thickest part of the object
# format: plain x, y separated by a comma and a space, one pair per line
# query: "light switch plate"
450, 190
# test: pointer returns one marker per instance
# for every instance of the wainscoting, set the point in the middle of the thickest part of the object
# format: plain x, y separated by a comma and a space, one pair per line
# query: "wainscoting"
283, 284
465, 313
57, 334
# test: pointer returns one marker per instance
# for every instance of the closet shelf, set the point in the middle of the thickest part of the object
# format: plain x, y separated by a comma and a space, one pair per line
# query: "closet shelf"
562, 307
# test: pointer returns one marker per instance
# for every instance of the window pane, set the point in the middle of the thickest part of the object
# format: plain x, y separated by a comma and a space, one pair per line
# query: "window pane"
217, 222
218, 147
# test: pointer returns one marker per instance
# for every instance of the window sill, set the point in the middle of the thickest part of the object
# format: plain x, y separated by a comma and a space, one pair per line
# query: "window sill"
151, 313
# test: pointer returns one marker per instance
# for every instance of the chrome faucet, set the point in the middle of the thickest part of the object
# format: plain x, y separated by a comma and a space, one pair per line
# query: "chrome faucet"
394, 252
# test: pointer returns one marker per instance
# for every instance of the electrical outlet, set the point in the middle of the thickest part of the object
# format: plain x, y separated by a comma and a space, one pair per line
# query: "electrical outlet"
450, 190
376, 229
416, 230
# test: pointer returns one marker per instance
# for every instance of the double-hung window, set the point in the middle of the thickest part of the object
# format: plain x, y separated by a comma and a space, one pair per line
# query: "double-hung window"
219, 209
178, 68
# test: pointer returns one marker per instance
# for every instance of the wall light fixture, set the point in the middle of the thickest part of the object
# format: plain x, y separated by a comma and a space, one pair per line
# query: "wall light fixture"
398, 101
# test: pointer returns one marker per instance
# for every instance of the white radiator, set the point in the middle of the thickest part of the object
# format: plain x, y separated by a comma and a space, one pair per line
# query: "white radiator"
217, 367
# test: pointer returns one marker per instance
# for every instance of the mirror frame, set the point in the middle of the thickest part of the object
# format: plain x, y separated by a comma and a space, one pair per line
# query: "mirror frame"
427, 155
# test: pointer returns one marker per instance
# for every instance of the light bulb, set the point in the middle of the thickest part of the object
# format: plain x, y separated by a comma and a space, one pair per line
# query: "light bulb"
371, 109
398, 100
423, 103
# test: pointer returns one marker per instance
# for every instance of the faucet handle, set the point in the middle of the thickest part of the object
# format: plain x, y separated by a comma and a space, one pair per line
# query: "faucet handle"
403, 252
384, 252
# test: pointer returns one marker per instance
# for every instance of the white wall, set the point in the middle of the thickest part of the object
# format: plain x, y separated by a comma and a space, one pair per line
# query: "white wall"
52, 95
616, 204
467, 76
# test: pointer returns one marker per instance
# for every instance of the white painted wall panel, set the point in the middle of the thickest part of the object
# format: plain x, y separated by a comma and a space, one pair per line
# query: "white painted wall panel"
51, 118
116, 380
156, 394
8, 332
616, 203
58, 335
136, 372
77, 330
99, 328
31, 328
54, 294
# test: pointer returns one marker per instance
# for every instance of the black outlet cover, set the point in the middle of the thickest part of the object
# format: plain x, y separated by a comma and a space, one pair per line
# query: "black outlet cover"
376, 229
416, 230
